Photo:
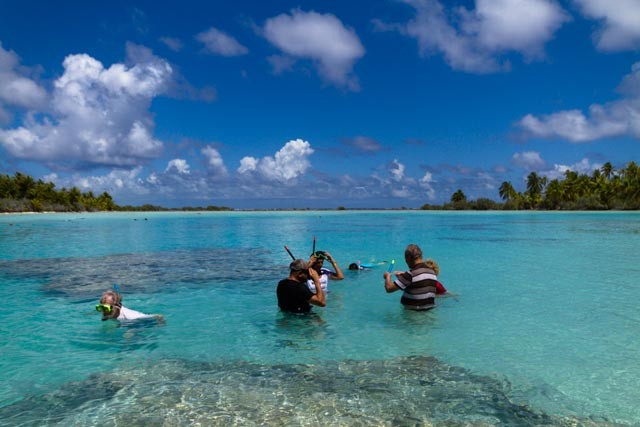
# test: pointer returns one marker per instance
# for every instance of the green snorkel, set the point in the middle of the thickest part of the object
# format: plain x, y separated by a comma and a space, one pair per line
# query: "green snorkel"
391, 264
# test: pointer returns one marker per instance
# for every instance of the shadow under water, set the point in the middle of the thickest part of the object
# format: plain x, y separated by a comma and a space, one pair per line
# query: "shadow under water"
143, 273
409, 391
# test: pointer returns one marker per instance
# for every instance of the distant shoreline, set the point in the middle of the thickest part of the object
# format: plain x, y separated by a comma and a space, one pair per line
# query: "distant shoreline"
318, 210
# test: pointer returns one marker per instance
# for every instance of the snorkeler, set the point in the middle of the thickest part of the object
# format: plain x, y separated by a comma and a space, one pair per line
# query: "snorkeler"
316, 262
112, 308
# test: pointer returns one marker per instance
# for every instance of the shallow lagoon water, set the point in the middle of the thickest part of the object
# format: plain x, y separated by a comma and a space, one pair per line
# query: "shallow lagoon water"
543, 331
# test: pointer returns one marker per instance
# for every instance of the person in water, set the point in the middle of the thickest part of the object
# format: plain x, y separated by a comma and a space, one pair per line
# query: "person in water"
112, 308
430, 263
358, 266
316, 261
293, 294
418, 283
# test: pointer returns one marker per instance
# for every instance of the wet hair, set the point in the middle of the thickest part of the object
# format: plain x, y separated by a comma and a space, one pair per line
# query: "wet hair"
353, 266
413, 252
298, 265
433, 265
113, 295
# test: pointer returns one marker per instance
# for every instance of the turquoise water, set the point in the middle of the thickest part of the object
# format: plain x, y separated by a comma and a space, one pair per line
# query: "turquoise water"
544, 329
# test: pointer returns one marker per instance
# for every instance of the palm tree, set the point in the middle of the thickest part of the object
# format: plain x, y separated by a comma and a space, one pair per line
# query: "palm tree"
554, 195
535, 186
506, 191
458, 197
631, 185
569, 185
607, 170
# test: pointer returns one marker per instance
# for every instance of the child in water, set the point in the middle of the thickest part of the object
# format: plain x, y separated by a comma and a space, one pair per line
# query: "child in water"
430, 263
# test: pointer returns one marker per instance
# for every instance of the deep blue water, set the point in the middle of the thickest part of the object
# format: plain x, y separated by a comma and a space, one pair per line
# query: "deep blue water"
544, 328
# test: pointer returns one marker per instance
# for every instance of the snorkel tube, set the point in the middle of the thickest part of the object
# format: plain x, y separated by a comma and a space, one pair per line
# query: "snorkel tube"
289, 252
391, 264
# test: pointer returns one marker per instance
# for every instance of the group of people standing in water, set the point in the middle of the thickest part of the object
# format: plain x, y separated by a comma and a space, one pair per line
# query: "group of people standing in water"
307, 282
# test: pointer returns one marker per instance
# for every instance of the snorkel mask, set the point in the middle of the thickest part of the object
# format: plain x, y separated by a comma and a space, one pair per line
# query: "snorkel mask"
320, 255
108, 309
105, 308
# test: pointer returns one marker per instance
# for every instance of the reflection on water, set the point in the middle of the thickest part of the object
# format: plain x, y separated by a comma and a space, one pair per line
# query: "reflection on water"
404, 391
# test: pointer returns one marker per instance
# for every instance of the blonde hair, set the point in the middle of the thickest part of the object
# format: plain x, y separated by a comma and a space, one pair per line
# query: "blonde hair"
111, 295
433, 265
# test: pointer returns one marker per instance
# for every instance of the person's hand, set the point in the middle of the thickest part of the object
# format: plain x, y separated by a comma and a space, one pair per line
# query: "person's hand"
313, 275
386, 275
328, 255
312, 259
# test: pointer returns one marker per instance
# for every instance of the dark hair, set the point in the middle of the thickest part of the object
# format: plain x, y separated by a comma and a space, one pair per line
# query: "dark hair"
353, 266
413, 252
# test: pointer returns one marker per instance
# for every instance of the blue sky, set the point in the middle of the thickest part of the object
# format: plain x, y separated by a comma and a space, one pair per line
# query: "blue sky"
315, 104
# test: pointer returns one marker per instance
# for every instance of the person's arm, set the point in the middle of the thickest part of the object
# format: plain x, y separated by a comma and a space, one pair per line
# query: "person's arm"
319, 298
338, 272
389, 286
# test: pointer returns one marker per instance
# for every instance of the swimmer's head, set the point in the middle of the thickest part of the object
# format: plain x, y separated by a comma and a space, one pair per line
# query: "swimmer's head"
110, 304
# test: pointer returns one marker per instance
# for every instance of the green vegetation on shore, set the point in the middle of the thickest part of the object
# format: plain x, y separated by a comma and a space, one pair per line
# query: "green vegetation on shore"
604, 189
21, 193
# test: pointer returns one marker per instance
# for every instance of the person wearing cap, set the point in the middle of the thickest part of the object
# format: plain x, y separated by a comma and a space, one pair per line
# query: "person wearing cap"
293, 294
317, 261
419, 283
112, 308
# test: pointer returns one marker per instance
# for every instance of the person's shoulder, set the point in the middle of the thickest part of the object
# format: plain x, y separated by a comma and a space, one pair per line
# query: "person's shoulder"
422, 268
129, 314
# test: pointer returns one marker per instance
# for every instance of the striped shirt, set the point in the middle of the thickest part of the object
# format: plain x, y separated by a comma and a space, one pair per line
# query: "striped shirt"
419, 286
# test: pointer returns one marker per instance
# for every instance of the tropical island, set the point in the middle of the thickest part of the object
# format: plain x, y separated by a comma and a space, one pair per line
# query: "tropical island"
605, 189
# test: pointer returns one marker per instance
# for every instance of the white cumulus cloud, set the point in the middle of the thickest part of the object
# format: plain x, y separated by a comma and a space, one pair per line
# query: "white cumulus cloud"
115, 182
617, 118
396, 169
620, 23
16, 89
528, 160
220, 43
426, 182
321, 38
179, 166
215, 163
97, 115
291, 161
584, 166
474, 40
